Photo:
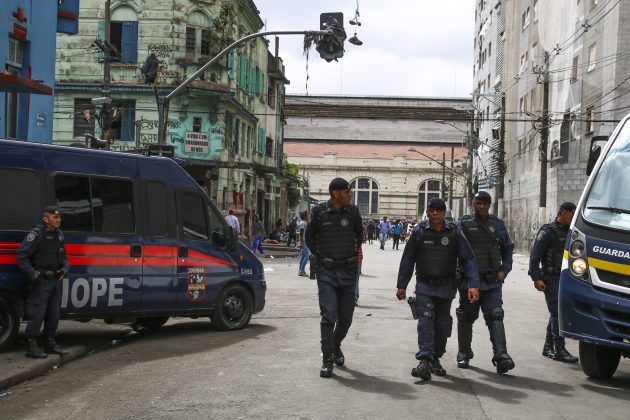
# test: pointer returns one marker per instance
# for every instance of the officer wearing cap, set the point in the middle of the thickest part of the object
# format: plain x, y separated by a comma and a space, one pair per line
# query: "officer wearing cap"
42, 258
493, 248
547, 252
433, 249
333, 237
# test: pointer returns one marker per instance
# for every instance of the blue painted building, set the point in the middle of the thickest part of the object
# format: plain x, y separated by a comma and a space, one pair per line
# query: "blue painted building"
28, 32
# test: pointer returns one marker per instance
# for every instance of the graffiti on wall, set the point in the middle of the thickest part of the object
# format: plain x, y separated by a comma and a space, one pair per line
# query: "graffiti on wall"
163, 53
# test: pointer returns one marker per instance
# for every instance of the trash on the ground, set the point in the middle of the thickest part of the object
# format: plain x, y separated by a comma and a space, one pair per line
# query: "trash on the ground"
269, 269
368, 314
271, 256
4, 393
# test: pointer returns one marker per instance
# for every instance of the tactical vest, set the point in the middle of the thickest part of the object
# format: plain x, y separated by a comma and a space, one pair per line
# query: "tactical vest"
336, 238
437, 255
484, 242
49, 253
552, 262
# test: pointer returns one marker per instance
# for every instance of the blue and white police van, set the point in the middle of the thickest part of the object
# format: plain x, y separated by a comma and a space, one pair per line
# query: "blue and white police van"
144, 241
594, 297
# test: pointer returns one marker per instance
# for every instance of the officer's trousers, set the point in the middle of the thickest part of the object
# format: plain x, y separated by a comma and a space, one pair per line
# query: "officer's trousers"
434, 326
42, 305
336, 305
488, 300
551, 297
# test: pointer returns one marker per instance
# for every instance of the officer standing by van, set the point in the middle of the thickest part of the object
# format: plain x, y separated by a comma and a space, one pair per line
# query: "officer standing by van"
42, 258
433, 249
547, 252
493, 248
333, 236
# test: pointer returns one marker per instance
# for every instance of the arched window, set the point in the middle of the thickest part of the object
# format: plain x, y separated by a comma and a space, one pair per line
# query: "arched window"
365, 195
124, 33
428, 190
197, 36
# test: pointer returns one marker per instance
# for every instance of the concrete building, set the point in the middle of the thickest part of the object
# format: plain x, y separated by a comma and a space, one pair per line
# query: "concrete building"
225, 125
27, 65
581, 60
367, 140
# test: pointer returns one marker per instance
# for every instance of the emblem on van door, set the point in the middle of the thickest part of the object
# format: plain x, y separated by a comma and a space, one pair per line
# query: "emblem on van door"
196, 283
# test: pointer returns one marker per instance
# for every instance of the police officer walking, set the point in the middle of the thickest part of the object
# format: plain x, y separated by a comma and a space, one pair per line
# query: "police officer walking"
433, 249
493, 248
333, 237
42, 258
547, 251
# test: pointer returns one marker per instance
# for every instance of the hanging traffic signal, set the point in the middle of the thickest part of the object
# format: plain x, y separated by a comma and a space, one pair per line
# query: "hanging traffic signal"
330, 46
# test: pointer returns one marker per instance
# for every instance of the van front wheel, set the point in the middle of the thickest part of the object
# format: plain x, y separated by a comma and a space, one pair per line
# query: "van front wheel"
234, 308
599, 361
9, 323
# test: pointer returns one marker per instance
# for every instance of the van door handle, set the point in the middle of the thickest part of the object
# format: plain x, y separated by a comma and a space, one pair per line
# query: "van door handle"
183, 252
135, 250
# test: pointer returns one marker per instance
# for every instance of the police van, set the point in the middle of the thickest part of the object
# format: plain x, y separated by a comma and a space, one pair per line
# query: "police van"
594, 296
144, 241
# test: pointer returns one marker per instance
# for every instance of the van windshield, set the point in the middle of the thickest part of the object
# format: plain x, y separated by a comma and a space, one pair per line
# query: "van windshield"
608, 201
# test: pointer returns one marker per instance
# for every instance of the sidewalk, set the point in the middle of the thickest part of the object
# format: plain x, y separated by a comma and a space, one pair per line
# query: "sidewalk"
77, 337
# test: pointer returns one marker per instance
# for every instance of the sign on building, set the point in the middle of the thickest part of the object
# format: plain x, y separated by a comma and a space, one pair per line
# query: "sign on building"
195, 142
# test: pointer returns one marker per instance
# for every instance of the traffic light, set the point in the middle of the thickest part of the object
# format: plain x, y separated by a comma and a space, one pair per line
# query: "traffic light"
330, 46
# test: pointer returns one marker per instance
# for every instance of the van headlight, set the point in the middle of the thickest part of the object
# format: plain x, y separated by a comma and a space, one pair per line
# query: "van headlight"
577, 248
579, 266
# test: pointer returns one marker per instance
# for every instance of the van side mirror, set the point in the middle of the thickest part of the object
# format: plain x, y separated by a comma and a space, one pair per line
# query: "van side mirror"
218, 238
233, 238
595, 152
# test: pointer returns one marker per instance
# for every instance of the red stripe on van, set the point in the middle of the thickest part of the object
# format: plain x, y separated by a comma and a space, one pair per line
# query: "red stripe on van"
75, 260
92, 249
8, 259
203, 257
159, 251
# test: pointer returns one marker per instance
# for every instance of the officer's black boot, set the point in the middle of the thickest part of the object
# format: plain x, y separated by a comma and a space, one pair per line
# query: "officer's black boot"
501, 358
33, 350
423, 370
464, 340
437, 368
327, 366
562, 355
338, 356
53, 348
548, 348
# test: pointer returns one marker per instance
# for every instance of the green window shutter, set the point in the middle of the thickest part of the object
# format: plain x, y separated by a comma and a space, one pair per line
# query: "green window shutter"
101, 37
230, 65
261, 140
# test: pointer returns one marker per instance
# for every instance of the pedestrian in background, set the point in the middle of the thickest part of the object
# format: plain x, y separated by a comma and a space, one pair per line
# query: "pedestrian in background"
334, 236
370, 229
304, 253
383, 227
42, 258
233, 221
292, 228
258, 232
396, 232
547, 252
433, 250
490, 241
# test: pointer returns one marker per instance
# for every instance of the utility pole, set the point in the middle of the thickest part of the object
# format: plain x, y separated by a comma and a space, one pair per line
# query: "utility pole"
471, 145
107, 53
443, 175
544, 138
450, 182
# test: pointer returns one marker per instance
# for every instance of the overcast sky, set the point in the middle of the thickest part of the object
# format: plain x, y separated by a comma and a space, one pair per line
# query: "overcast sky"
410, 47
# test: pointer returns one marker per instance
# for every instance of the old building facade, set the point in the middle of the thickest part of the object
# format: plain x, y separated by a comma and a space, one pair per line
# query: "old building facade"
396, 151
225, 126
582, 64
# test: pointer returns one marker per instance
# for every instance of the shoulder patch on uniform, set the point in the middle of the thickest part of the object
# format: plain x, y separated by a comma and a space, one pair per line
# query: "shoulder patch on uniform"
31, 236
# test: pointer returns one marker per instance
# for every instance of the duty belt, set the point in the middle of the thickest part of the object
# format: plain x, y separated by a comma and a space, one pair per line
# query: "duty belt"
330, 263
436, 281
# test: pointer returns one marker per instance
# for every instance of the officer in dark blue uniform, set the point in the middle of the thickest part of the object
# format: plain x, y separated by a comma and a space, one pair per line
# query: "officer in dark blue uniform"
433, 249
333, 236
42, 258
493, 248
547, 251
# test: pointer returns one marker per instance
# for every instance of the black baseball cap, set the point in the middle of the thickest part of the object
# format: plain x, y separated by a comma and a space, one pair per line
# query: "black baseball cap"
437, 204
567, 206
338, 184
52, 210
483, 196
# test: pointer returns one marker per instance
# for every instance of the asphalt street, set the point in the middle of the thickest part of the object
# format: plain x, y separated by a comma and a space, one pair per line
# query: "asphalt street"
271, 369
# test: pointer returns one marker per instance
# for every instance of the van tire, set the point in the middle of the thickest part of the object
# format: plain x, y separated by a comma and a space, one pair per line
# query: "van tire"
149, 324
233, 309
599, 361
9, 323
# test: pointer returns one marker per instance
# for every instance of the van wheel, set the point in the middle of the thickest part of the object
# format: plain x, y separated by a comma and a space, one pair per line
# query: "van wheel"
9, 323
234, 308
149, 324
599, 361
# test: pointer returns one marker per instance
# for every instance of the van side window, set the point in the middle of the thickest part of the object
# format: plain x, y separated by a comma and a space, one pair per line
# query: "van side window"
91, 204
194, 218
216, 221
157, 209
18, 186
